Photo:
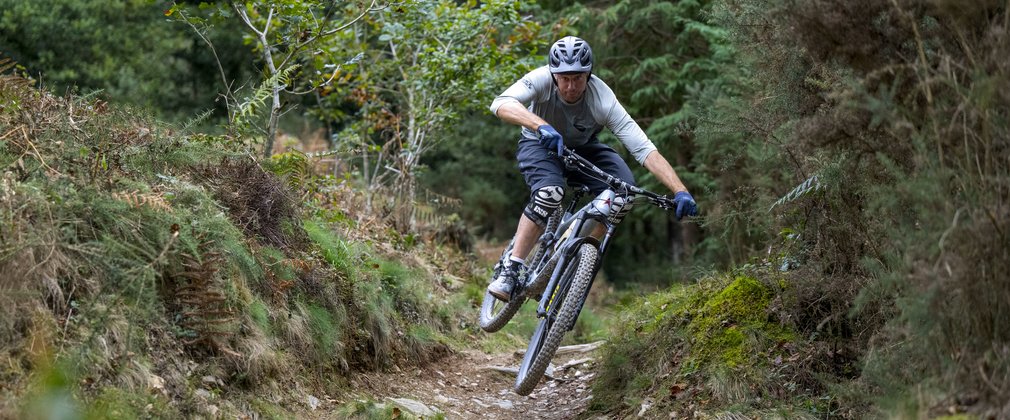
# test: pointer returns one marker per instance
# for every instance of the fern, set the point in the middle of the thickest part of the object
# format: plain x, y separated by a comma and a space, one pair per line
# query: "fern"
251, 105
203, 309
806, 187
196, 120
293, 164
138, 199
12, 80
6, 64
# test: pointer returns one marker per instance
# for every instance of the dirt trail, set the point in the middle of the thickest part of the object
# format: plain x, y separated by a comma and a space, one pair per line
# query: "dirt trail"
463, 386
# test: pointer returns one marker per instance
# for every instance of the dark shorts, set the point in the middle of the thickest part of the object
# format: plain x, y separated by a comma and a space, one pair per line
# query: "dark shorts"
541, 170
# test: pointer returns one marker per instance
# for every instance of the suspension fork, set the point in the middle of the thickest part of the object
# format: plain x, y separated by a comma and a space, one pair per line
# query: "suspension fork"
567, 252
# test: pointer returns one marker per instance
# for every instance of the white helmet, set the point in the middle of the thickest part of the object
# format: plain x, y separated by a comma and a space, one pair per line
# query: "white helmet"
570, 55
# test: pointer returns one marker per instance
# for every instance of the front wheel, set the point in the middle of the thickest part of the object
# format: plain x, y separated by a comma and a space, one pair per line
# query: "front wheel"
562, 309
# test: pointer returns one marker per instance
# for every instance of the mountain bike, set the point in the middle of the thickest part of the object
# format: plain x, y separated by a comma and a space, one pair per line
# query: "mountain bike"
562, 266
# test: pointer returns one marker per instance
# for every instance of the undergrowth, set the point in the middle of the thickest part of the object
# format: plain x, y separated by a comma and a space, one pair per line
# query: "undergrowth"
150, 273
870, 152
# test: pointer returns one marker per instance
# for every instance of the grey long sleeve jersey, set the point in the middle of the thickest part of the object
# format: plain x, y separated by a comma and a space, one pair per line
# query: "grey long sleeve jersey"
577, 122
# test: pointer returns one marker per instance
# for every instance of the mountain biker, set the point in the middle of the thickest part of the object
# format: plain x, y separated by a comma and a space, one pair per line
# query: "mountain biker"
569, 106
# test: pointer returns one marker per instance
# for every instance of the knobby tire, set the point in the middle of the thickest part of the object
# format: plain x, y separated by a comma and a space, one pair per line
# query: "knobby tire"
560, 318
494, 314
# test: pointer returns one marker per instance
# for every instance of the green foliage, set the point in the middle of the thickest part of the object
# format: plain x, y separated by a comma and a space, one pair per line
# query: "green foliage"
426, 65
294, 166
325, 329
95, 46
260, 315
394, 305
245, 113
731, 324
117, 403
335, 251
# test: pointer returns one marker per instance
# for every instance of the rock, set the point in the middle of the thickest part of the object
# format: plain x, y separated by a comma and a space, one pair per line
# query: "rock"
208, 379
505, 404
203, 393
155, 383
646, 405
415, 408
313, 402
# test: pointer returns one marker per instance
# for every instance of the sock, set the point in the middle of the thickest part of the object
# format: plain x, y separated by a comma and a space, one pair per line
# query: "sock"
518, 260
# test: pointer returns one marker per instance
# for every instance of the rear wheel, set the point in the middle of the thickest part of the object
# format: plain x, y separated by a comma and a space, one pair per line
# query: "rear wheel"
494, 314
562, 311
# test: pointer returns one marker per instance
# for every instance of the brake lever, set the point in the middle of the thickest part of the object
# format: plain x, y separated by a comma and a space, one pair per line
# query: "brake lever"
664, 202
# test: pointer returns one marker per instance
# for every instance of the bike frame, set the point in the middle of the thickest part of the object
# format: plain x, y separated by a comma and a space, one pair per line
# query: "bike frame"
576, 227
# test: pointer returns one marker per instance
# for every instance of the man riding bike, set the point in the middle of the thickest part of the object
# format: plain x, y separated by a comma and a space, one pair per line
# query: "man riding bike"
569, 106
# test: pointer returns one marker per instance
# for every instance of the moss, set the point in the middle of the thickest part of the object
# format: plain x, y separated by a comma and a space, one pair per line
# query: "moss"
729, 328
718, 327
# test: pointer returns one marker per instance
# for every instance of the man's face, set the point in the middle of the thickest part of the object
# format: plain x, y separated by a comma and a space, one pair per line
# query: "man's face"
571, 85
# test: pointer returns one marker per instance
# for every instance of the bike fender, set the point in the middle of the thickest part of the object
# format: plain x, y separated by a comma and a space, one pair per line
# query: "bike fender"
577, 243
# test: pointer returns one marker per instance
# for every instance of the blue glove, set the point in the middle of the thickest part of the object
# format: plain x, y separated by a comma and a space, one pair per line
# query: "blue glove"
685, 204
551, 139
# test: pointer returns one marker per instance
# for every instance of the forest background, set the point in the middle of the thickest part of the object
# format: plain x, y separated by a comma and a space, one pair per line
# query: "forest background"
851, 155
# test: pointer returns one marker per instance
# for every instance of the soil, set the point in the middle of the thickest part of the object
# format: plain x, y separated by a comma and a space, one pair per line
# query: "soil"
465, 386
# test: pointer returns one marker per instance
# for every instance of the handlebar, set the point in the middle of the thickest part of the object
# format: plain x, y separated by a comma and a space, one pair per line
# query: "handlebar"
573, 161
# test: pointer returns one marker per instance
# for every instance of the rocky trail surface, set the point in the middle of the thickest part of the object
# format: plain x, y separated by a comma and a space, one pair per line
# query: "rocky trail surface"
473, 384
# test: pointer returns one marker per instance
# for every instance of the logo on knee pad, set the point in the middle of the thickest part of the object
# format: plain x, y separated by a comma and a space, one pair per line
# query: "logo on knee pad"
543, 202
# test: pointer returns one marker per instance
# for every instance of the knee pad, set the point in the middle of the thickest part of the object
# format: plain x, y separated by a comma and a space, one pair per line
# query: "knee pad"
543, 202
